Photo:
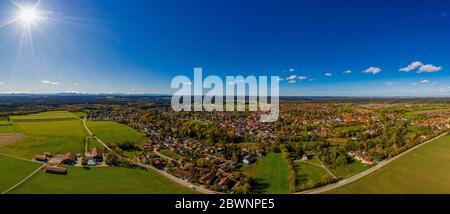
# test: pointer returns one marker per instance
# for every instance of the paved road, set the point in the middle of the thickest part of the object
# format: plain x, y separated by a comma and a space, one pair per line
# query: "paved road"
367, 172
162, 172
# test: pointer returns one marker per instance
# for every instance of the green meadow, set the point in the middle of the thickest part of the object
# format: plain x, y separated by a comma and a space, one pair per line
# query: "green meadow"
55, 132
423, 170
101, 180
114, 133
308, 175
353, 168
13, 170
270, 173
7, 127
44, 116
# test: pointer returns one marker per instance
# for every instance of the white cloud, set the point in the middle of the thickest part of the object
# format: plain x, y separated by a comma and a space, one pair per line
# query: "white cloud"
328, 74
280, 79
411, 66
347, 72
292, 81
429, 68
302, 77
291, 70
372, 70
414, 83
434, 83
292, 77
388, 83
1, 83
50, 82
425, 81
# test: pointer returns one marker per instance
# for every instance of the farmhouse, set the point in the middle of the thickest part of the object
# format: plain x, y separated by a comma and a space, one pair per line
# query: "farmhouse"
41, 158
55, 170
69, 158
97, 155
48, 154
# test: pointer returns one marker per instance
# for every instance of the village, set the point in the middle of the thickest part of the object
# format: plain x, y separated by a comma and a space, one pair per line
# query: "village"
210, 148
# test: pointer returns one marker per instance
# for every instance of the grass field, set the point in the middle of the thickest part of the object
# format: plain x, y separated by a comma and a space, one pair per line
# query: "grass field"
12, 171
94, 143
271, 174
113, 133
308, 175
45, 115
424, 170
8, 128
102, 180
45, 134
349, 170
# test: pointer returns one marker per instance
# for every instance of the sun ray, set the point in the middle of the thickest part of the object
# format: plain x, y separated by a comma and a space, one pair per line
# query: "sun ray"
8, 22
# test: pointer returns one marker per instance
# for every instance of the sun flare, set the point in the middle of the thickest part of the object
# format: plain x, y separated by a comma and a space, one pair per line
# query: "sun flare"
29, 16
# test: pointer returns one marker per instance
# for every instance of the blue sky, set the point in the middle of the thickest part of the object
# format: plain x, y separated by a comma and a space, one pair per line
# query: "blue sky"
139, 46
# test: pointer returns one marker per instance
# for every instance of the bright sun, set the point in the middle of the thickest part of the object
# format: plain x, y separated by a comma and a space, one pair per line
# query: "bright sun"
29, 16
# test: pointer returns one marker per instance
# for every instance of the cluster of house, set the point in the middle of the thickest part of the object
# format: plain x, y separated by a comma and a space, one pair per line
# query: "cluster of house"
248, 126
222, 175
439, 123
154, 159
224, 180
94, 158
363, 159
69, 159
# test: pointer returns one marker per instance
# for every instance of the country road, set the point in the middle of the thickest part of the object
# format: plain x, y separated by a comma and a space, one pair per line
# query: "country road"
162, 172
23, 180
367, 172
